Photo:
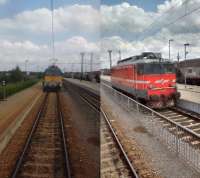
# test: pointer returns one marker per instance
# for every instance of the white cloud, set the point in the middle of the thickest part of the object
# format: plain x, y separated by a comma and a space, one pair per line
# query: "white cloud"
80, 18
131, 21
124, 18
137, 36
76, 44
22, 36
68, 51
158, 43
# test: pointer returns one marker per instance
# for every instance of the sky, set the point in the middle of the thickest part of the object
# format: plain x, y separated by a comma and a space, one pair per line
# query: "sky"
25, 33
136, 26
131, 26
147, 5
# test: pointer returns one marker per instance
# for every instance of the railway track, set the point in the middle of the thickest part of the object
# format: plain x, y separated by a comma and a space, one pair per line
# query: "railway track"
87, 95
45, 151
114, 160
178, 129
187, 120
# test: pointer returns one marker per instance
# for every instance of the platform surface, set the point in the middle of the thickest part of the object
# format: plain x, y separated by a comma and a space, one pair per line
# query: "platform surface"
16, 104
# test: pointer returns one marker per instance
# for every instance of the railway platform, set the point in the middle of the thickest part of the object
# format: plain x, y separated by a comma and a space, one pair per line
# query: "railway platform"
14, 110
189, 92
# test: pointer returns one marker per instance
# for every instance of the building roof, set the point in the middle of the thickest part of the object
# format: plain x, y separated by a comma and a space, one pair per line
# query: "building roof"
190, 63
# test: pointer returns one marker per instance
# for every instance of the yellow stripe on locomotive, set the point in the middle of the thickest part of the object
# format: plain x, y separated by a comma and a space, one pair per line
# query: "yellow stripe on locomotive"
51, 78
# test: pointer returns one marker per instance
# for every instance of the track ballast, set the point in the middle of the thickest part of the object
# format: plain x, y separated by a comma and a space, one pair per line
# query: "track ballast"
45, 152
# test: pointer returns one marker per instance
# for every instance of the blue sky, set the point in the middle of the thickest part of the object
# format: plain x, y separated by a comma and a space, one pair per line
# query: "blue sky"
13, 7
77, 28
25, 29
147, 5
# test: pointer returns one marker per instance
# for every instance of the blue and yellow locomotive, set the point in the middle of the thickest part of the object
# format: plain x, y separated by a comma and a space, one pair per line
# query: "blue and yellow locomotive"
52, 80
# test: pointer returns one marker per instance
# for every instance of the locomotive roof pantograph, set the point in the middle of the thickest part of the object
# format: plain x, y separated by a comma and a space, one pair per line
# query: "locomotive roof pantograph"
145, 57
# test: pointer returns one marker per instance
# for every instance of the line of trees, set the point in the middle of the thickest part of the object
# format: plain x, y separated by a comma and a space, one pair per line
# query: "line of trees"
16, 75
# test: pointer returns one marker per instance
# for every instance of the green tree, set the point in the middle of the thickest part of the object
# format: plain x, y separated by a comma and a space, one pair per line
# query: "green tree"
16, 75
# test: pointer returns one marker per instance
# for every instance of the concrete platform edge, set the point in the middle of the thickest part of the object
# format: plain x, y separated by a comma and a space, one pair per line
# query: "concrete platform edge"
189, 105
10, 131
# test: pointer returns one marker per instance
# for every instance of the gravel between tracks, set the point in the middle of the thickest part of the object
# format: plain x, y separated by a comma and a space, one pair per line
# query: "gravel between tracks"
135, 153
82, 131
9, 155
153, 153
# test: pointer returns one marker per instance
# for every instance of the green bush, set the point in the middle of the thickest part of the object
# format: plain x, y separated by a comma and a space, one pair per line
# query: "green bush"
13, 88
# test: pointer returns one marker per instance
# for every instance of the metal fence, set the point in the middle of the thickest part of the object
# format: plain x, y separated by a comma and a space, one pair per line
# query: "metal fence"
180, 140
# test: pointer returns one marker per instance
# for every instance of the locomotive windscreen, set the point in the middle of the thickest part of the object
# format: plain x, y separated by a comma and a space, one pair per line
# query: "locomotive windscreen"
53, 70
155, 68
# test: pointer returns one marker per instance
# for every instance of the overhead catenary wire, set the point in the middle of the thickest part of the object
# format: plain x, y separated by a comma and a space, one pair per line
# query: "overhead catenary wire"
153, 24
181, 17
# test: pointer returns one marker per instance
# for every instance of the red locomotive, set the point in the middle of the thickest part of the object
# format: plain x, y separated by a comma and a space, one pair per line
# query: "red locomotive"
147, 77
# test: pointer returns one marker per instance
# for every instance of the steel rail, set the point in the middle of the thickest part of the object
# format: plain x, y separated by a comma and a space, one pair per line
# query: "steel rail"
182, 140
100, 110
66, 154
156, 113
190, 114
95, 103
133, 171
33, 129
86, 89
28, 141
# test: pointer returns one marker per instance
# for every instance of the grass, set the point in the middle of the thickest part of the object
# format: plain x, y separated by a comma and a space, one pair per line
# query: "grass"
13, 88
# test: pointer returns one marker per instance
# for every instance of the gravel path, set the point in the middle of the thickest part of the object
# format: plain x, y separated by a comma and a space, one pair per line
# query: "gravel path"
155, 153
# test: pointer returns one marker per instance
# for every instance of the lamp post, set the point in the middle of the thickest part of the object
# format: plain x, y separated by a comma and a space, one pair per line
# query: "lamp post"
26, 64
82, 58
91, 61
72, 70
186, 52
110, 58
169, 48
120, 56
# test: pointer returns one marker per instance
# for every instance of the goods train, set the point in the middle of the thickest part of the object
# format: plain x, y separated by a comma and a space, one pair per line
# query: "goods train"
89, 76
52, 79
147, 77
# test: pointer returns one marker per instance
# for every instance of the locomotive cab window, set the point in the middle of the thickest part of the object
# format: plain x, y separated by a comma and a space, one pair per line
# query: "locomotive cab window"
155, 68
152, 68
